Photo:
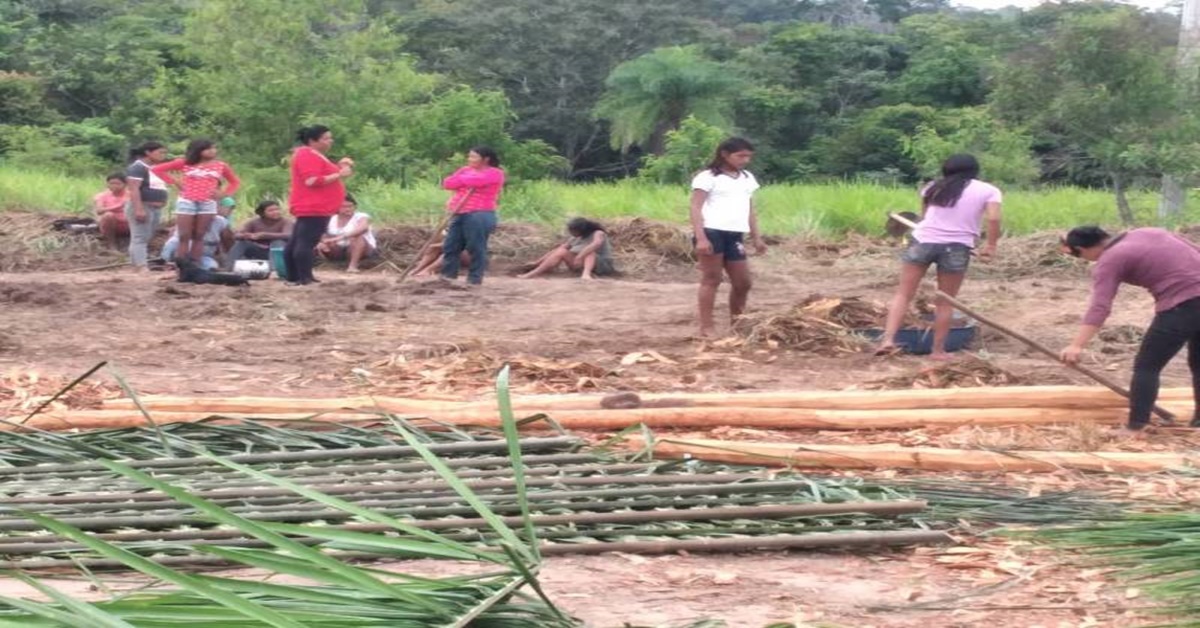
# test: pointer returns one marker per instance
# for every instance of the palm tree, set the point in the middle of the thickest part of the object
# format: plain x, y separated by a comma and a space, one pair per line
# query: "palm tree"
648, 96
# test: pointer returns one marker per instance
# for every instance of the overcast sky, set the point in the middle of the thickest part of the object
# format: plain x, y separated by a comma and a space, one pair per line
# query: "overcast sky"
999, 4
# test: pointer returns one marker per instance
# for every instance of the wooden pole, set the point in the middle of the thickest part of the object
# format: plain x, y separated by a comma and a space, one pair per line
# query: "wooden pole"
819, 456
608, 420
1167, 417
1045, 397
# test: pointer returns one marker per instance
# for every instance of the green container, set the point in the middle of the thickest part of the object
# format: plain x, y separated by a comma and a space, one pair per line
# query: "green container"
277, 263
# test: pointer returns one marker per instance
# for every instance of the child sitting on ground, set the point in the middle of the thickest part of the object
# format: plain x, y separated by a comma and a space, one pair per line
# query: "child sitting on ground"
588, 250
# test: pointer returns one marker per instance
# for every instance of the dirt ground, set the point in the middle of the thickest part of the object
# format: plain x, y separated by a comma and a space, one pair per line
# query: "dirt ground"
352, 334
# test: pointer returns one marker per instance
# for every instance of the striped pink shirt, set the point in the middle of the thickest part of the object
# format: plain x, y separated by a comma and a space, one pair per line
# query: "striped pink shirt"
483, 185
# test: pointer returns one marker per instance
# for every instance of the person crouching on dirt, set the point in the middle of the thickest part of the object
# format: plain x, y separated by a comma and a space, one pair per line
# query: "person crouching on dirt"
722, 213
269, 229
589, 251
110, 209
953, 208
1166, 265
218, 238
349, 236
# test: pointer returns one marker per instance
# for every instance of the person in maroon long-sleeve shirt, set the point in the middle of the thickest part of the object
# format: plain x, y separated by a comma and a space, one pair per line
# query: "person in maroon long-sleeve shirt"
1168, 266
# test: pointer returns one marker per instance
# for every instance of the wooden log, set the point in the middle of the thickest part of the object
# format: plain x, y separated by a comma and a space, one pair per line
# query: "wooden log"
819, 456
612, 420
1079, 397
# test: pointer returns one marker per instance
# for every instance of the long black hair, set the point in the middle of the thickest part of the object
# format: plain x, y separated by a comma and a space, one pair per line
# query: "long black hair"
728, 147
582, 227
310, 134
957, 172
192, 155
137, 152
489, 155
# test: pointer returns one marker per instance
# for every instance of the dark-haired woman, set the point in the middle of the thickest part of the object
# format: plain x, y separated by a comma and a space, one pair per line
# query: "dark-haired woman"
147, 196
204, 182
953, 208
722, 213
588, 250
1166, 265
317, 193
477, 188
269, 229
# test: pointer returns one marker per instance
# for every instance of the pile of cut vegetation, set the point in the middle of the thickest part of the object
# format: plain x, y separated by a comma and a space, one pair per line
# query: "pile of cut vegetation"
29, 241
967, 372
818, 324
641, 236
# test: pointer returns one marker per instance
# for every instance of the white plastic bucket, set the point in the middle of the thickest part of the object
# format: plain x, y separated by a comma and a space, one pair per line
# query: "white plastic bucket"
252, 268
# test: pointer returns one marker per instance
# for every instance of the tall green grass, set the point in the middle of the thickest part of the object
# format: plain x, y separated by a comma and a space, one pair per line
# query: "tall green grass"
791, 209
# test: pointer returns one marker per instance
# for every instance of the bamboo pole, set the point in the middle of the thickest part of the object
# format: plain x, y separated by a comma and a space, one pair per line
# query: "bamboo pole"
1081, 397
693, 417
816, 540
391, 452
35, 545
924, 458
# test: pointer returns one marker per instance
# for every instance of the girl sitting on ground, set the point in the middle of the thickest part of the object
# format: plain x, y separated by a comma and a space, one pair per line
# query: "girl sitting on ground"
349, 236
110, 209
588, 250
431, 261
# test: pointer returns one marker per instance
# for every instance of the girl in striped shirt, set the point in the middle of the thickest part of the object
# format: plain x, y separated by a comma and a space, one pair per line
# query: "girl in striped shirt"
205, 181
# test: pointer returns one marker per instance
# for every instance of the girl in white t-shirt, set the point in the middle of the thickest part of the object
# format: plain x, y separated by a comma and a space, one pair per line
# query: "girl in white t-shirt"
722, 212
349, 236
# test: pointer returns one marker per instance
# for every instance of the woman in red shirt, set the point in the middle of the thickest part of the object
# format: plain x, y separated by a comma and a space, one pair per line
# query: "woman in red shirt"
205, 181
317, 193
477, 188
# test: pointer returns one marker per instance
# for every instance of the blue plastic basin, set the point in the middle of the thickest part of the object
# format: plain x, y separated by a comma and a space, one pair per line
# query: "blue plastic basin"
920, 341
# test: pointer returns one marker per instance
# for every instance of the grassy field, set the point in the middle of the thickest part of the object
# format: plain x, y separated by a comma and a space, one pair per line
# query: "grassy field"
822, 210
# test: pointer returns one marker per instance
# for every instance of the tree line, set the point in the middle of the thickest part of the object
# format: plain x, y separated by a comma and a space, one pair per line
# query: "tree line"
1081, 93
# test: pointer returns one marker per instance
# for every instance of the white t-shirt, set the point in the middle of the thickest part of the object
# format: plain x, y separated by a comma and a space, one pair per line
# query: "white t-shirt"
353, 224
727, 207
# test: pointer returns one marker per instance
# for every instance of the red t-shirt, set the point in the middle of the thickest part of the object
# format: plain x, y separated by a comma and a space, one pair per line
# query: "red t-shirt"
322, 199
200, 180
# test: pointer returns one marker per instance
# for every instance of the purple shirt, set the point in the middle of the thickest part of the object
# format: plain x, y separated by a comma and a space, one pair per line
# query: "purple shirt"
961, 223
1160, 261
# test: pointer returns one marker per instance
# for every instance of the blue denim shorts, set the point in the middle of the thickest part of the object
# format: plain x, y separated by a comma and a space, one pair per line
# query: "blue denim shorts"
184, 207
726, 243
950, 258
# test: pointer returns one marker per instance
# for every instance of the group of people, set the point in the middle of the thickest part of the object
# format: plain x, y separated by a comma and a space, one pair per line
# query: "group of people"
954, 210
326, 219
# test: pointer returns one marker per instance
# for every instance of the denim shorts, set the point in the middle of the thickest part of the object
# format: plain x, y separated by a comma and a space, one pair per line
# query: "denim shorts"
950, 258
184, 207
727, 243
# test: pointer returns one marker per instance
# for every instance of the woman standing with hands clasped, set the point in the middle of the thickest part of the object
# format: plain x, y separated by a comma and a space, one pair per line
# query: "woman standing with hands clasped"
722, 213
317, 193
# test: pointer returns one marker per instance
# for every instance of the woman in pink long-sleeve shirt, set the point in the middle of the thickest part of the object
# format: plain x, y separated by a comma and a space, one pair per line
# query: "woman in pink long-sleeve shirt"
477, 188
1166, 265
200, 188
